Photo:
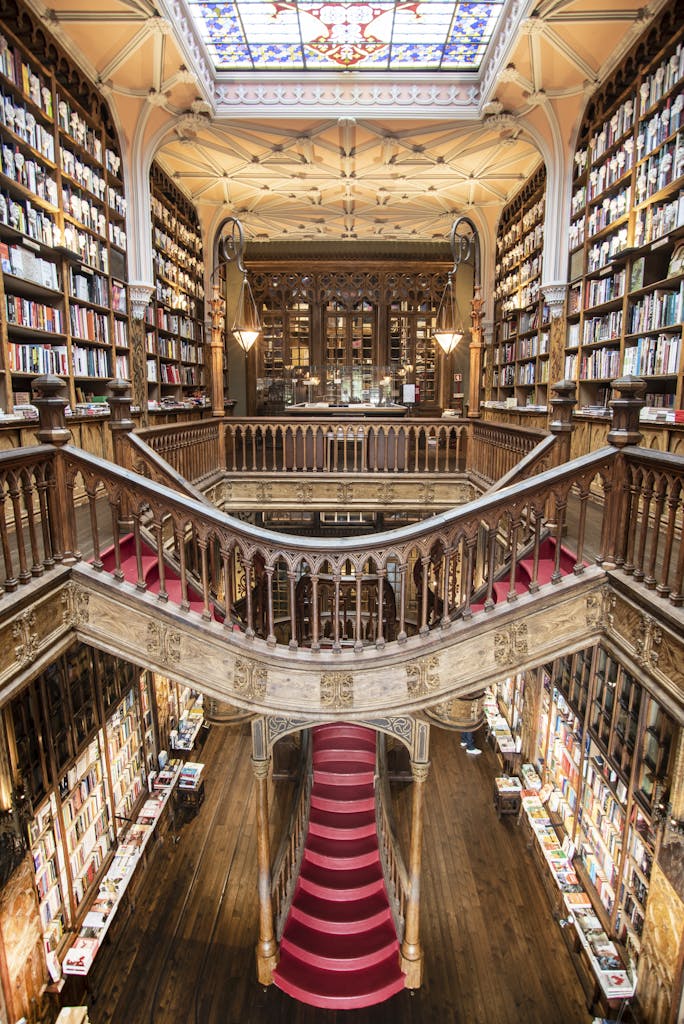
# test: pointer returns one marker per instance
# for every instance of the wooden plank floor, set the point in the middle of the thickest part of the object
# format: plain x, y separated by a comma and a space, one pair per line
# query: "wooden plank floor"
493, 952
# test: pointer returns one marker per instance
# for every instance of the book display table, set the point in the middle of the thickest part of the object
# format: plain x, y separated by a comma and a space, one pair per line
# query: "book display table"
190, 791
507, 795
184, 738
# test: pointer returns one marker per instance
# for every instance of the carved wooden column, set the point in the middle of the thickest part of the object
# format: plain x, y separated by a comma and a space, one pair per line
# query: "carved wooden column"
475, 371
139, 295
266, 947
51, 401
216, 350
411, 956
554, 297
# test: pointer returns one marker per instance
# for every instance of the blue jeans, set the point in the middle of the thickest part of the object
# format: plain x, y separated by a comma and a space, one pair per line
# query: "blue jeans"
469, 739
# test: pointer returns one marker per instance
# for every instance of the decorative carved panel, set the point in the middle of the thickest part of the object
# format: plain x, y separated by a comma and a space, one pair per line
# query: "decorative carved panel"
422, 676
337, 690
250, 679
511, 645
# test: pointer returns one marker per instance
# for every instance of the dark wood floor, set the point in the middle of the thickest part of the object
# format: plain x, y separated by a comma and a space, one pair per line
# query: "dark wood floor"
493, 952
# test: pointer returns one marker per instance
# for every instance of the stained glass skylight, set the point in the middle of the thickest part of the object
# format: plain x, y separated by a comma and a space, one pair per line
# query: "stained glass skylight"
310, 35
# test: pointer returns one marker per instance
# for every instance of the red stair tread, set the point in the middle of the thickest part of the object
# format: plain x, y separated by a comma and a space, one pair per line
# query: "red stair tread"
338, 883
342, 852
339, 990
348, 916
359, 798
336, 754
343, 772
331, 823
338, 951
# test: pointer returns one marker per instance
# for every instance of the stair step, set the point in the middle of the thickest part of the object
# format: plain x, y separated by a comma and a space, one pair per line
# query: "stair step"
340, 884
342, 773
349, 824
341, 916
324, 755
502, 587
334, 741
342, 853
339, 990
338, 952
343, 730
344, 797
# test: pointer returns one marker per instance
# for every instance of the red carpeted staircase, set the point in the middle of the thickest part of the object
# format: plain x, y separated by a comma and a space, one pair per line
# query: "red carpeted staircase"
150, 573
339, 949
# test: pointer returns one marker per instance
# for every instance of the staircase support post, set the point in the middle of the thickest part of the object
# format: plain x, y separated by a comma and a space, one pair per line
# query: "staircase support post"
411, 956
266, 947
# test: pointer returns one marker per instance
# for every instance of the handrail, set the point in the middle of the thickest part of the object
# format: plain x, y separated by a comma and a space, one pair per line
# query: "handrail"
192, 448
394, 869
149, 462
434, 566
536, 461
345, 445
288, 859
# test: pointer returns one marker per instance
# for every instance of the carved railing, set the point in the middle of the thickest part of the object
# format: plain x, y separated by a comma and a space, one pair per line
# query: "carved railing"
349, 445
394, 869
194, 450
495, 449
287, 862
439, 569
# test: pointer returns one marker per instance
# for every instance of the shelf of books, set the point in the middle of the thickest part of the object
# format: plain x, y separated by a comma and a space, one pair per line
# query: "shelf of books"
520, 355
87, 820
635, 881
48, 863
605, 764
626, 260
126, 760
62, 235
174, 332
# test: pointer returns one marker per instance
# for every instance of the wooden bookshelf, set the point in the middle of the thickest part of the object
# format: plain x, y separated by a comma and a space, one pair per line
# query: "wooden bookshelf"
519, 372
607, 747
62, 235
127, 772
174, 335
626, 261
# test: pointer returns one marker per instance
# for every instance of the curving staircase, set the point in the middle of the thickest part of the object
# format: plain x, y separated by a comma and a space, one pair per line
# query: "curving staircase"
339, 948
150, 574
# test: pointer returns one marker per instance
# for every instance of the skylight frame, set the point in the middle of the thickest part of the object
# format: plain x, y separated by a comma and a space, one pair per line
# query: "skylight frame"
376, 36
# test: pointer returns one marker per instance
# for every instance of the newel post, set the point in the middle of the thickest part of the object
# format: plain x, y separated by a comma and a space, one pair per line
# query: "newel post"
624, 431
51, 401
411, 957
563, 403
266, 947
120, 422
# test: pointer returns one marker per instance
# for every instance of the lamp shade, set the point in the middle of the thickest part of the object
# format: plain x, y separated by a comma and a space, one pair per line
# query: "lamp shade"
246, 325
449, 329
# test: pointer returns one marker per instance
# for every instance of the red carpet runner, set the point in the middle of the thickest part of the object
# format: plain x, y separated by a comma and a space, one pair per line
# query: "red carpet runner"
339, 949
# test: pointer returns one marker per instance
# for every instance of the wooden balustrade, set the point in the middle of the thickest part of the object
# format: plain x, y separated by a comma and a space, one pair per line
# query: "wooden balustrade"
346, 593
437, 569
30, 519
287, 861
495, 449
194, 450
346, 445
393, 865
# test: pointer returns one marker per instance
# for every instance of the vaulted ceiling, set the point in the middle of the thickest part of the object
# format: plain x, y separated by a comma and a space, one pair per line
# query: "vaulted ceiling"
348, 154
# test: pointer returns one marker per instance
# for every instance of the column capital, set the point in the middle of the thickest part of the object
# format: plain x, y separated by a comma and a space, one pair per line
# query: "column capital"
139, 294
261, 767
420, 770
554, 297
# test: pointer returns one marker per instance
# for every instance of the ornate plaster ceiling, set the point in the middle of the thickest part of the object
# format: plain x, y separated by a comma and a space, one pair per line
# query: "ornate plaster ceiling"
348, 154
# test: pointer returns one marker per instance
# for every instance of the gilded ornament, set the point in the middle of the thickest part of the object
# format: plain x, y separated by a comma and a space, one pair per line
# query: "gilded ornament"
337, 690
